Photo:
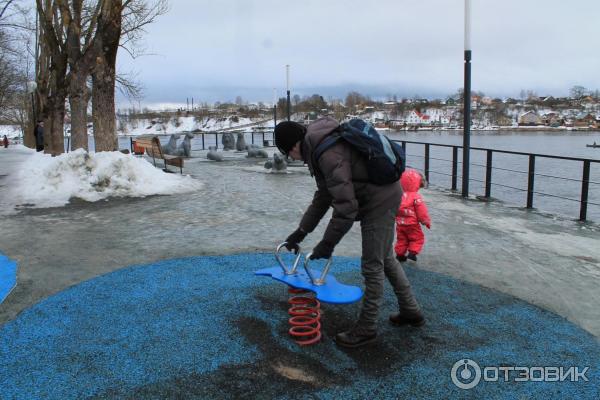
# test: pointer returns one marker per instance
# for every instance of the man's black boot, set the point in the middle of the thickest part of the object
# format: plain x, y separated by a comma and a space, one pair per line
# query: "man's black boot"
412, 256
352, 339
416, 320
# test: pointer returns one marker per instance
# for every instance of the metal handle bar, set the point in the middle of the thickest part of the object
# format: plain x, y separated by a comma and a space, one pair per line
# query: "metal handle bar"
281, 263
321, 280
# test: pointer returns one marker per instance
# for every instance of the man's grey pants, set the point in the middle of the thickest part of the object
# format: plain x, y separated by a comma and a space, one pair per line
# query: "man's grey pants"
378, 259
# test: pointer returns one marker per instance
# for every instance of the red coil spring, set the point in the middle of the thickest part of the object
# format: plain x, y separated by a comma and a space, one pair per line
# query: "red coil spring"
306, 317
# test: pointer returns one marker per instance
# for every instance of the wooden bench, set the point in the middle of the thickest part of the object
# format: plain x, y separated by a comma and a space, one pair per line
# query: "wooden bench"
154, 150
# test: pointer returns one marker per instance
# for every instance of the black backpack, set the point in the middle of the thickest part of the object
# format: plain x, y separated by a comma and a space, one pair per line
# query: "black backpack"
385, 159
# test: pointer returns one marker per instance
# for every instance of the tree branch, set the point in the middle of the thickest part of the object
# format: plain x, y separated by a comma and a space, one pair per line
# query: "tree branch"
128, 87
5, 8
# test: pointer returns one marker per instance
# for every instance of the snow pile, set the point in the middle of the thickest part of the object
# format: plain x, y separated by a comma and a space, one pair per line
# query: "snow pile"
45, 181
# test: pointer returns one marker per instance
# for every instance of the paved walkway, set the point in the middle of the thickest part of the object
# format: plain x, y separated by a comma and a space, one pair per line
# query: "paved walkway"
543, 260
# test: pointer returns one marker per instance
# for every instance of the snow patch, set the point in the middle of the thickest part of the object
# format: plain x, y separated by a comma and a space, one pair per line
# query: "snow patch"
45, 181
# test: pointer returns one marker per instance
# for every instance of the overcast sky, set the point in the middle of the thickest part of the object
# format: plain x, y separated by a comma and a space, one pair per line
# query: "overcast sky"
215, 50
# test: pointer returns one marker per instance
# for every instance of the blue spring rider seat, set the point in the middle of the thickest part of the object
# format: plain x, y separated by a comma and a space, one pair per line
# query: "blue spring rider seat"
326, 290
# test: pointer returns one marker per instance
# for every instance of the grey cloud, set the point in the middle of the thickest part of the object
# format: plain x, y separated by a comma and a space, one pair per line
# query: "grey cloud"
228, 47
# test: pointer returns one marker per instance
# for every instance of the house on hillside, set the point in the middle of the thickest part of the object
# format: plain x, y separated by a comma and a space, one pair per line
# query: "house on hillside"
585, 120
530, 118
504, 120
438, 116
588, 102
417, 118
487, 101
552, 119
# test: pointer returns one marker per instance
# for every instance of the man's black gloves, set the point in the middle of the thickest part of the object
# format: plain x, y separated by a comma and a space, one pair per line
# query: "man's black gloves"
292, 241
322, 250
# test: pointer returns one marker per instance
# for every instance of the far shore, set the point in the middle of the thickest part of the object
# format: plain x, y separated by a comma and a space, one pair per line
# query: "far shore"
499, 129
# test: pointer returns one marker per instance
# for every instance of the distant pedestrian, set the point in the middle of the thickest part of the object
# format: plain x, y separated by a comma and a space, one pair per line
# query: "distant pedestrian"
5, 142
39, 136
412, 212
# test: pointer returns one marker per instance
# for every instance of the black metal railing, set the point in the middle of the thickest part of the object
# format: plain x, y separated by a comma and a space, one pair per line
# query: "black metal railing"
267, 141
531, 173
253, 134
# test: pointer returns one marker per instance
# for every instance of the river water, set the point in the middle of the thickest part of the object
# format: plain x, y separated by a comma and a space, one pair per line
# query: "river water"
557, 182
554, 177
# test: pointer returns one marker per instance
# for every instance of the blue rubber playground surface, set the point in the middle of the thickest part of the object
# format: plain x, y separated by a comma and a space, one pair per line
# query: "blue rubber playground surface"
207, 327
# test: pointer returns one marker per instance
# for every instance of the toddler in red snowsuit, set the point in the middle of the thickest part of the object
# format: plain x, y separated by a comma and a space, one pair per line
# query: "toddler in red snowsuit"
412, 211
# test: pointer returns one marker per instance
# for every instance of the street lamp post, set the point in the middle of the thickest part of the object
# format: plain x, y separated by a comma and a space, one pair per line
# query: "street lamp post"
287, 78
31, 87
467, 102
274, 107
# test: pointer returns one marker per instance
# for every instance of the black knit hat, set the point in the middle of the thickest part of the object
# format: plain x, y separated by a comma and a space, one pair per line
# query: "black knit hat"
287, 134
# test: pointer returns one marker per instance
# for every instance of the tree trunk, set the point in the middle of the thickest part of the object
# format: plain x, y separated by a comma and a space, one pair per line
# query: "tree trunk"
54, 126
103, 108
28, 134
78, 100
103, 75
80, 62
52, 80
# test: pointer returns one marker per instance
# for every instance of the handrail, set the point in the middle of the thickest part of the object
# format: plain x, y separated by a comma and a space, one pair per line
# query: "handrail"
501, 151
530, 173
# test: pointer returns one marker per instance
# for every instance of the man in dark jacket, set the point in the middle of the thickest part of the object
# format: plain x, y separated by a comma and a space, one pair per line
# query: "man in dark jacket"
39, 136
342, 183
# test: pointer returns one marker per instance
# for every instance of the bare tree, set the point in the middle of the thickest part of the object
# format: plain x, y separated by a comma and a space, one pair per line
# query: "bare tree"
81, 18
577, 91
355, 99
52, 71
106, 45
79, 39
13, 63
8, 74
118, 19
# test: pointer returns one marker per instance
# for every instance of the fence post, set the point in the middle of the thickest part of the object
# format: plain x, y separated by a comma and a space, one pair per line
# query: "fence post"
131, 144
531, 181
427, 161
203, 141
488, 175
404, 148
585, 184
454, 166
216, 141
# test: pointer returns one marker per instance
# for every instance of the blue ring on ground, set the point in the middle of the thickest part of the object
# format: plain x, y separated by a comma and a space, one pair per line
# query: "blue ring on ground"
8, 276
206, 327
